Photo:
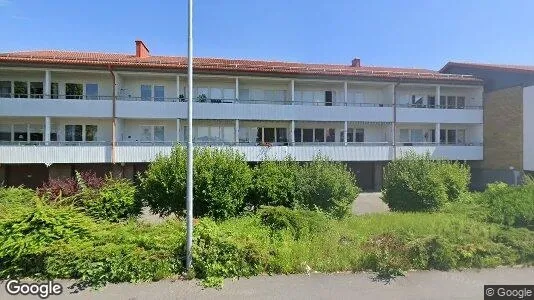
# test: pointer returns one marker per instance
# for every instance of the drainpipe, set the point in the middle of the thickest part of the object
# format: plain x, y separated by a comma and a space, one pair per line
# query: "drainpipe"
394, 125
113, 115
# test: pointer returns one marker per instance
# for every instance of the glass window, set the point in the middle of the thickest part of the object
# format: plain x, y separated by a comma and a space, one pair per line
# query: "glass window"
203, 133
244, 135
350, 135
244, 94
36, 132
53, 132
307, 135
91, 91
146, 92
443, 101
21, 89
36, 89
281, 135
451, 102
159, 93
460, 136
73, 90
216, 93
228, 134
359, 135
54, 90
307, 96
319, 135
21, 132
404, 135
73, 133
331, 135
202, 94
90, 132
460, 102
430, 136
5, 132
216, 133
146, 133
298, 135
5, 89
417, 136
451, 136
268, 135
228, 94
431, 101
159, 133
442, 136
417, 100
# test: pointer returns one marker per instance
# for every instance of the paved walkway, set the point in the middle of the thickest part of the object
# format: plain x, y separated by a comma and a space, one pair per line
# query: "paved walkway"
369, 203
416, 285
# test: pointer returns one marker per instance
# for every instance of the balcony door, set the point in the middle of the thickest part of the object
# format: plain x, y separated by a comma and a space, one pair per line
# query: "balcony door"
328, 98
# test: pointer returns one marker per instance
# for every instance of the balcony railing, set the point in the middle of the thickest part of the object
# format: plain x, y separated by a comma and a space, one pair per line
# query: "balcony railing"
409, 105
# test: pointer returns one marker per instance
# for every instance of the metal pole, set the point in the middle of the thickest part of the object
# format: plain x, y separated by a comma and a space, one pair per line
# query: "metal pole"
189, 203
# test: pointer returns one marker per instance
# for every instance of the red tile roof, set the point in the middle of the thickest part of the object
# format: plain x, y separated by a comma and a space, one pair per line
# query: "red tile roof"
498, 67
220, 65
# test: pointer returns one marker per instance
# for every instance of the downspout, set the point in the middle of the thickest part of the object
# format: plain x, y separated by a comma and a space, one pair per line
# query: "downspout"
394, 125
113, 116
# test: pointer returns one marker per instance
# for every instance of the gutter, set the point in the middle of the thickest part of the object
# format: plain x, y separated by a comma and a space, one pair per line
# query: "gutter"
394, 125
113, 115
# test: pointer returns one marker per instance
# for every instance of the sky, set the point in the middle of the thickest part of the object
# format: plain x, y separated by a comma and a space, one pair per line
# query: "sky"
418, 34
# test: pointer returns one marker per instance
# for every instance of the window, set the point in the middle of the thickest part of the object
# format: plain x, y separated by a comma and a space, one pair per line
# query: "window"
307, 135
146, 92
404, 135
359, 135
91, 91
73, 132
268, 135
5, 132
281, 135
36, 132
244, 135
146, 133
244, 94
36, 90
417, 101
443, 101
350, 135
451, 136
319, 135
417, 136
228, 94
21, 89
451, 102
430, 136
331, 135
460, 136
90, 133
216, 93
431, 101
53, 132
21, 132
159, 93
159, 133
460, 102
203, 133
298, 135
54, 90
5, 89
73, 90
228, 134
443, 136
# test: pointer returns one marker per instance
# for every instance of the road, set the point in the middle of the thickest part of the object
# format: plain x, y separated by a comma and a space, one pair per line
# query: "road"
416, 285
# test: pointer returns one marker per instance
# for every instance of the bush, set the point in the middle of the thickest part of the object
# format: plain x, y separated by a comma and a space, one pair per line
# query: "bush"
56, 188
275, 183
221, 178
417, 183
299, 222
509, 205
14, 200
327, 186
114, 201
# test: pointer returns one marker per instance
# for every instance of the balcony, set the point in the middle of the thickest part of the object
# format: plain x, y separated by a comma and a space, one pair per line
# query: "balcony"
472, 151
439, 114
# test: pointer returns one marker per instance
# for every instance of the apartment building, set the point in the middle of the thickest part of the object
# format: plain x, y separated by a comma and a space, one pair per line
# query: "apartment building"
508, 120
63, 111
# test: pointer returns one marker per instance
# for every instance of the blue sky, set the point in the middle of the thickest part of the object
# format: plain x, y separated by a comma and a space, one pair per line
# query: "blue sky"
423, 33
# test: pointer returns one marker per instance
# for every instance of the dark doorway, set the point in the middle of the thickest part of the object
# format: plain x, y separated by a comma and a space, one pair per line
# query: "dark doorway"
328, 98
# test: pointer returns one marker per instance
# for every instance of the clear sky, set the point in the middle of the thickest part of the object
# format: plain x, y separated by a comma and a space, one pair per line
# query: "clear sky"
424, 33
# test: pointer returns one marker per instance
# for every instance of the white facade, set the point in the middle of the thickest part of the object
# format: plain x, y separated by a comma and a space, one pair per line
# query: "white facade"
65, 116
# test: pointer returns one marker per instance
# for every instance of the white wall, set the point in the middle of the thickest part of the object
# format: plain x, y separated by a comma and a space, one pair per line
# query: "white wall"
528, 128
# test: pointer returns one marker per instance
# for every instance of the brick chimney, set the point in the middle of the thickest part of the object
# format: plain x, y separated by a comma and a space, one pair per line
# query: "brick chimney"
356, 62
141, 50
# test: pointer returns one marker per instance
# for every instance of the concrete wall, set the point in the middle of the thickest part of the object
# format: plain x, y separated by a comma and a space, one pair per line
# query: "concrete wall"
528, 128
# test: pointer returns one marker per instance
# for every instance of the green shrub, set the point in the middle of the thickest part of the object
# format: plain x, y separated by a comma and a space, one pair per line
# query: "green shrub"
456, 178
417, 183
217, 256
327, 186
114, 201
509, 205
298, 222
221, 178
26, 236
275, 183
14, 200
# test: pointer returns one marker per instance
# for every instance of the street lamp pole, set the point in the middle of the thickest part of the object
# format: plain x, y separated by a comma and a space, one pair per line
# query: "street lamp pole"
189, 203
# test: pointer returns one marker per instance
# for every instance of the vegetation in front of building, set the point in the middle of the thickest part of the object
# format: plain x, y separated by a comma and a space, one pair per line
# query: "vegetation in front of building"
279, 233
